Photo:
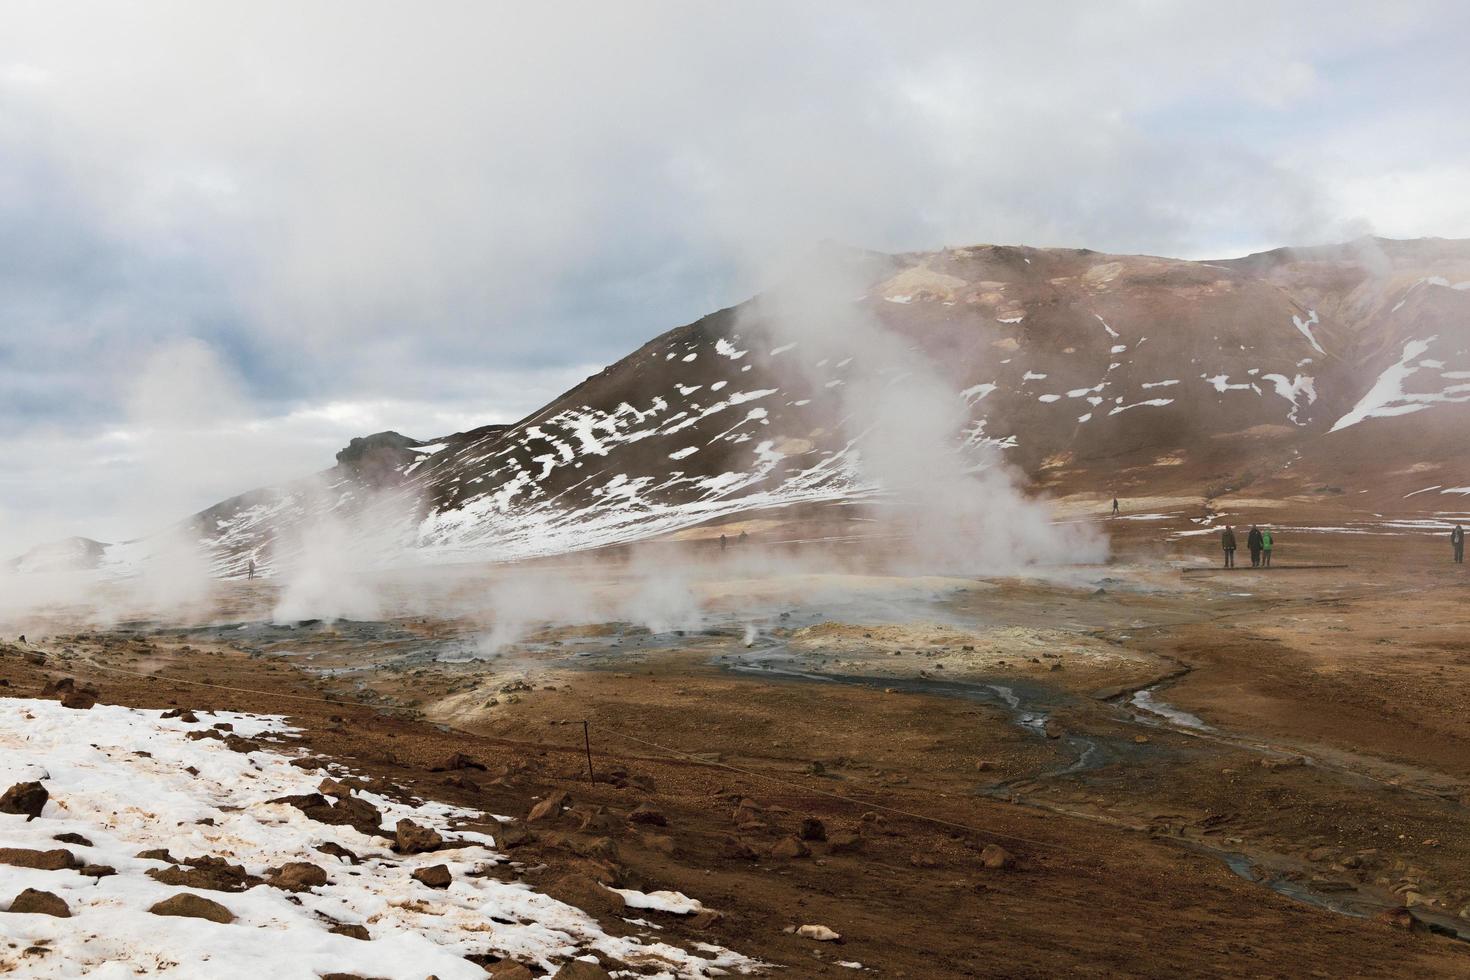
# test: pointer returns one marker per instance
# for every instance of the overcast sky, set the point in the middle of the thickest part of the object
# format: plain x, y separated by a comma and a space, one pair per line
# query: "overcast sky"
232, 236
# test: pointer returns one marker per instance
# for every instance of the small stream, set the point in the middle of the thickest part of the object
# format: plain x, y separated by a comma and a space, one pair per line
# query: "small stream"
1027, 704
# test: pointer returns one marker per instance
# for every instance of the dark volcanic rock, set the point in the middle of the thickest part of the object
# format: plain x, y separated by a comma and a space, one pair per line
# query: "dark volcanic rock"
27, 798
410, 838
193, 907
53, 860
297, 876
41, 903
436, 876
207, 872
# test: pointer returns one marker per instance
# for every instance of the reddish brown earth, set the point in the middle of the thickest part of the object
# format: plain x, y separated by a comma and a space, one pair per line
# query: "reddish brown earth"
1363, 671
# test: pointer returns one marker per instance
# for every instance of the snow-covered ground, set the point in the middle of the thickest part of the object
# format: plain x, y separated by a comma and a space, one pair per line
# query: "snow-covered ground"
129, 780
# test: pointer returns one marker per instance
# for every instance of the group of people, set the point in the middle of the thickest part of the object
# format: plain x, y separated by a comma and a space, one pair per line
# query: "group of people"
1259, 541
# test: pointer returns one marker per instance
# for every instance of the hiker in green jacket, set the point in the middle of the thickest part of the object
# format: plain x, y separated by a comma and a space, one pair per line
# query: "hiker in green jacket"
1266, 547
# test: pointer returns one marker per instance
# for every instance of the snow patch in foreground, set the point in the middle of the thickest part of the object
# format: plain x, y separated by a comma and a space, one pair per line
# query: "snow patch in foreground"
119, 777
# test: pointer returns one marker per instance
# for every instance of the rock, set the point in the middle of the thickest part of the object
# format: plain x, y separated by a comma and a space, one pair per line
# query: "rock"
919, 860
789, 848
82, 699
207, 872
645, 814
1291, 762
706, 919
352, 812
844, 843
586, 894
193, 907
737, 849
70, 838
410, 838
821, 934
158, 854
338, 851
581, 970
37, 902
437, 876
27, 798
995, 857
549, 807
297, 876
338, 791
21, 857
596, 819
64, 685
1400, 919
457, 761
509, 970
96, 870
351, 930
1140, 740
512, 833
984, 765
812, 829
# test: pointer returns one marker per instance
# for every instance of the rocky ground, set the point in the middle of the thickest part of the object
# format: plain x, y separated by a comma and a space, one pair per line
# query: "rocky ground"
1135, 769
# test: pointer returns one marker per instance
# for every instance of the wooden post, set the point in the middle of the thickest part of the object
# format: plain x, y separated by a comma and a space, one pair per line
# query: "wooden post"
587, 741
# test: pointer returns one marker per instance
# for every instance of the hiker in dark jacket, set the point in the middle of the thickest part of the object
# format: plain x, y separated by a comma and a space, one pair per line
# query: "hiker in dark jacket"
1457, 542
1253, 542
1227, 542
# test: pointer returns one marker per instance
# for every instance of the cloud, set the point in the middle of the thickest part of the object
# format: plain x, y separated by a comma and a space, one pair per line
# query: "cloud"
378, 205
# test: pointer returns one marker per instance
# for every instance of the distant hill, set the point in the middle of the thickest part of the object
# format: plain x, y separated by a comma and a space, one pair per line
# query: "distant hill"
1285, 370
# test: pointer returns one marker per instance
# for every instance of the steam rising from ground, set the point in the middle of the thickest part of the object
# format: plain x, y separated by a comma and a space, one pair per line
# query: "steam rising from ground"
959, 502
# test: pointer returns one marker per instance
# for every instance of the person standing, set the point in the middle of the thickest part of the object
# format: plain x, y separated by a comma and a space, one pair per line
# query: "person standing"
1253, 542
1457, 542
724, 542
1115, 506
1227, 543
1266, 542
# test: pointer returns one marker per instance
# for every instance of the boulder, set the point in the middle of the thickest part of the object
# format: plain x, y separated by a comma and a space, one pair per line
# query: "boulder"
70, 838
995, 857
581, 970
437, 876
297, 876
706, 919
844, 843
509, 970
207, 872
27, 798
351, 930
54, 860
646, 814
338, 851
82, 698
193, 907
457, 761
821, 934
512, 833
158, 854
790, 847
549, 807
41, 903
812, 829
410, 838
586, 894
